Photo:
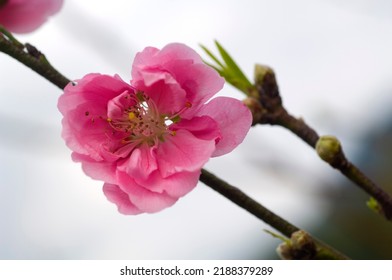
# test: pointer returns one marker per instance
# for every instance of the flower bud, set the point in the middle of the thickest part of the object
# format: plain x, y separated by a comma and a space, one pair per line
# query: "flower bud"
300, 247
329, 148
284, 251
374, 205
267, 86
260, 73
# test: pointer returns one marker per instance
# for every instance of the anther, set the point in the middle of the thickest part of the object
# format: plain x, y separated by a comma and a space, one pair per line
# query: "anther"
131, 115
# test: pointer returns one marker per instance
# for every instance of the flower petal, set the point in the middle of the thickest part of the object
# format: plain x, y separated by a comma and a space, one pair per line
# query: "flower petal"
84, 130
183, 152
234, 120
174, 76
203, 127
114, 194
199, 80
176, 185
93, 88
142, 198
98, 170
141, 163
167, 95
152, 58
23, 16
84, 107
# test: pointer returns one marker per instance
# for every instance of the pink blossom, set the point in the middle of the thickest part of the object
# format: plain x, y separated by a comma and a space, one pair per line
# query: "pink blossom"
149, 140
23, 16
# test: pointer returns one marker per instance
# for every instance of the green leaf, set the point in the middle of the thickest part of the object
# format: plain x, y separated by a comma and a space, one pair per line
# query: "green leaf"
209, 53
228, 69
276, 235
230, 63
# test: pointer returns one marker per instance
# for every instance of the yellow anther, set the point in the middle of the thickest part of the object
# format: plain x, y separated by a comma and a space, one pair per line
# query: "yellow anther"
173, 132
109, 119
131, 115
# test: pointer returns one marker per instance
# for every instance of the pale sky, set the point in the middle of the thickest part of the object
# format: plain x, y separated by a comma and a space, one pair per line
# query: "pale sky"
333, 65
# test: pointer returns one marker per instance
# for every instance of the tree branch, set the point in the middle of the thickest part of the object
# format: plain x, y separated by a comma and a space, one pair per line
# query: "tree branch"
34, 59
273, 112
238, 197
31, 57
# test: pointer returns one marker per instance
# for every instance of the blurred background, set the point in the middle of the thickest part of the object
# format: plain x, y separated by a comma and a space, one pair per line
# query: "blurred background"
333, 64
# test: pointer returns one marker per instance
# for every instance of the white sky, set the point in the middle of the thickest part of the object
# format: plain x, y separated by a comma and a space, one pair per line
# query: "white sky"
333, 62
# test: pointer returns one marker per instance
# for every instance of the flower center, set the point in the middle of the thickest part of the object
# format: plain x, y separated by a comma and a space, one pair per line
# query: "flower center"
140, 121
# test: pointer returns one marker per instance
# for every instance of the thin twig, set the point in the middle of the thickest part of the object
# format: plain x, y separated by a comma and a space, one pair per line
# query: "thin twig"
241, 199
273, 112
35, 60
32, 58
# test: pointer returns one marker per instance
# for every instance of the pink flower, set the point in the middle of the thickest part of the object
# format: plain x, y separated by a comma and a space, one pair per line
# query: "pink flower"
23, 16
149, 140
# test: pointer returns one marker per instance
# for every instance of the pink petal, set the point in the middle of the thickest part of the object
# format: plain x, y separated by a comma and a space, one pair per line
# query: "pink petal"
167, 95
142, 198
176, 185
95, 89
85, 134
98, 170
174, 76
178, 51
117, 105
84, 107
143, 59
23, 16
203, 127
114, 194
141, 163
153, 58
234, 120
183, 152
199, 80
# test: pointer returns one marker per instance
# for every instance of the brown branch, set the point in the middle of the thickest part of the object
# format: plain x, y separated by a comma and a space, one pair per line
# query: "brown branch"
238, 197
34, 59
273, 112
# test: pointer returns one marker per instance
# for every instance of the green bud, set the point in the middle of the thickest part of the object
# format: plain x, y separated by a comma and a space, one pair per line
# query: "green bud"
329, 148
260, 73
373, 204
266, 86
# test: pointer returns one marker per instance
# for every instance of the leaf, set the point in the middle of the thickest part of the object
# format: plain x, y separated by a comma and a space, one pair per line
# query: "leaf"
278, 236
209, 53
230, 63
228, 69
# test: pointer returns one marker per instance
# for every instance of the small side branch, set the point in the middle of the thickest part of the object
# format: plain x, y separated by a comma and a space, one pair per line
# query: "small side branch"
238, 197
271, 111
31, 57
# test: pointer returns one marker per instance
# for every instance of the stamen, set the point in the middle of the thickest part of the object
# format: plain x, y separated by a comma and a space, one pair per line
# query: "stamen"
176, 117
131, 115
141, 122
